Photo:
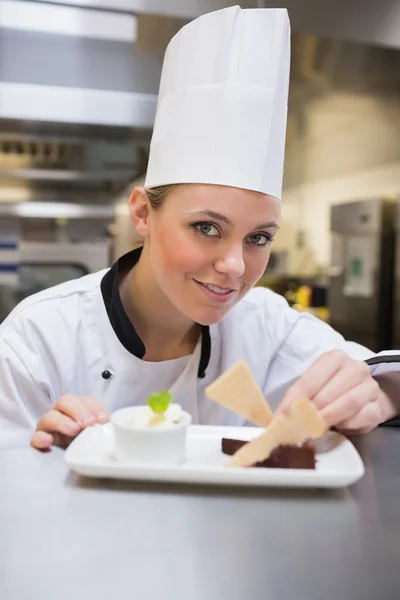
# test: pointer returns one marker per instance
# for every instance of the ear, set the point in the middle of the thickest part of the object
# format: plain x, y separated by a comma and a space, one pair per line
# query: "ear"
139, 211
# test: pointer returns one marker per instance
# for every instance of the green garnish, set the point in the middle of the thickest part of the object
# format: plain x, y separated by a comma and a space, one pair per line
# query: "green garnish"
159, 402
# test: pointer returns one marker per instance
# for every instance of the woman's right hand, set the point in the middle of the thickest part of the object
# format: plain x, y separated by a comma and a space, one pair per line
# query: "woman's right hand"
68, 416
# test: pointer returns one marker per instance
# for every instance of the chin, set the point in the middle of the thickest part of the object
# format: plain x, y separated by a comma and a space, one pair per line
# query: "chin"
209, 316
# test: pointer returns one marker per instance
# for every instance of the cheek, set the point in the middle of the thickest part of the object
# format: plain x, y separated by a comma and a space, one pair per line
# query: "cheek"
178, 253
256, 265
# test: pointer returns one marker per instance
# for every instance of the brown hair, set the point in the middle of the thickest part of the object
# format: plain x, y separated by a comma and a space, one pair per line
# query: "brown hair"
157, 195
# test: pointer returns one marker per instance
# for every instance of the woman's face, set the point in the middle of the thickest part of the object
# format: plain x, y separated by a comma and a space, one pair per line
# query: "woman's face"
208, 245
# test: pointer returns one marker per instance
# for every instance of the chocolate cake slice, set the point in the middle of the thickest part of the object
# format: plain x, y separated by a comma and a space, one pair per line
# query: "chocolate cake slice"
283, 457
230, 446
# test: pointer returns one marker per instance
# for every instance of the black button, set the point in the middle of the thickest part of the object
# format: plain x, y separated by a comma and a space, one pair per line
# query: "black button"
106, 374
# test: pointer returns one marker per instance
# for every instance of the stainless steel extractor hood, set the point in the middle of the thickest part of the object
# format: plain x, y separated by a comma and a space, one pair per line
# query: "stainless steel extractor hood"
74, 65
77, 102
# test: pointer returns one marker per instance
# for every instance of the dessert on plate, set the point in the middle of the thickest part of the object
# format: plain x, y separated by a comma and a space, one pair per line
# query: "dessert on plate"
287, 440
152, 433
159, 412
285, 456
156, 432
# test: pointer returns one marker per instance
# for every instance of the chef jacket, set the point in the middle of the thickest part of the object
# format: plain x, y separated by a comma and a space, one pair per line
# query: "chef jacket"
76, 338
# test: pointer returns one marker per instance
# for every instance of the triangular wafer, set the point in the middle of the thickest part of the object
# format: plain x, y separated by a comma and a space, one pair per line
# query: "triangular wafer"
302, 424
237, 390
282, 430
308, 416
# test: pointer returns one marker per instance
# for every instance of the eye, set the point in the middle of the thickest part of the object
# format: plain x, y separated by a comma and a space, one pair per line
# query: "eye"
206, 228
260, 239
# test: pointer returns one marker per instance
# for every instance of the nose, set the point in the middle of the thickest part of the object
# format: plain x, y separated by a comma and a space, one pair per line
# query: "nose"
231, 262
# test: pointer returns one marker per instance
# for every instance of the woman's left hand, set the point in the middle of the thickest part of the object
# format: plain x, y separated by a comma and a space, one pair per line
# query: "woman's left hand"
344, 392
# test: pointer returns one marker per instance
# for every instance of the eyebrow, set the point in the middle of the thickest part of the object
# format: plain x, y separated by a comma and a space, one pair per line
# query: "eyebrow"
218, 217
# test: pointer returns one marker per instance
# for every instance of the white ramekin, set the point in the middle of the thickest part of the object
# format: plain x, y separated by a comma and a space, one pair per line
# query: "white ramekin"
149, 445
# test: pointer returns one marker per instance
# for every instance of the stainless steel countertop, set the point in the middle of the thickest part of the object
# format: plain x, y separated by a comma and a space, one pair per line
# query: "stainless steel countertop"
66, 537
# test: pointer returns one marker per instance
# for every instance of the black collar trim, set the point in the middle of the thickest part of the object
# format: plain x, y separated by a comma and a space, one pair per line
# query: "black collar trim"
120, 322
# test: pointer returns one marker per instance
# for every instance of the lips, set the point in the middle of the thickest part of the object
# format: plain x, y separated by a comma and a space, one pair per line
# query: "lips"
216, 288
217, 293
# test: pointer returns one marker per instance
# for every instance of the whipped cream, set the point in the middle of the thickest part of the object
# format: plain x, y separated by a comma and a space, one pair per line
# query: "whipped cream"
146, 418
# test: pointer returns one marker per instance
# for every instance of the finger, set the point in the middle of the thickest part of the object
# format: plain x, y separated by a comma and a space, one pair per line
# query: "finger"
76, 409
101, 414
42, 440
314, 379
61, 440
351, 403
56, 422
363, 422
348, 377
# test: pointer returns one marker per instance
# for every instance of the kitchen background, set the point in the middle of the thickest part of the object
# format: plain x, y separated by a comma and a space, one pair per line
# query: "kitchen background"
78, 92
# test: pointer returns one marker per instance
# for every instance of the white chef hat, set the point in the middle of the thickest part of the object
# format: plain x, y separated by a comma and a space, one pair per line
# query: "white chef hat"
222, 104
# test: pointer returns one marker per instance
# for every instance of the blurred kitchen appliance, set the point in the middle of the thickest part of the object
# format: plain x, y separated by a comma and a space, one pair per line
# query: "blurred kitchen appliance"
43, 244
396, 307
360, 296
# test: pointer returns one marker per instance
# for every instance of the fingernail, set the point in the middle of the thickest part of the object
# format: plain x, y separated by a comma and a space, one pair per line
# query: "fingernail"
103, 416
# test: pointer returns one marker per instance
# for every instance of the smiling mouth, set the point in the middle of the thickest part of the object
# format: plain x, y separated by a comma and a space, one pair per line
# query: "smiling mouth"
217, 289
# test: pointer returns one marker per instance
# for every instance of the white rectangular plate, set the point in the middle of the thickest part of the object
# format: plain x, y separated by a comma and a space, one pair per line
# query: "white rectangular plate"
338, 462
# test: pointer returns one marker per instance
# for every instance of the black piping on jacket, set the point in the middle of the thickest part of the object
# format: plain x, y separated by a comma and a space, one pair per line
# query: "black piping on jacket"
379, 360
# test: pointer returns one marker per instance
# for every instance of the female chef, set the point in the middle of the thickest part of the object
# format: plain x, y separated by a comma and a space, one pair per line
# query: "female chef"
181, 310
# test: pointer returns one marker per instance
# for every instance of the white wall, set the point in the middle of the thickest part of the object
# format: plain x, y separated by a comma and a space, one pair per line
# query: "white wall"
350, 151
